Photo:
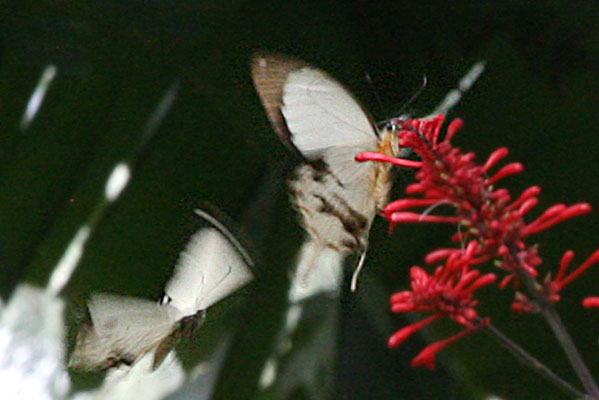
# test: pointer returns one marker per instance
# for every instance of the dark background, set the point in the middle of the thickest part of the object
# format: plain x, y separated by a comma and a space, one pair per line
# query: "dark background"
115, 59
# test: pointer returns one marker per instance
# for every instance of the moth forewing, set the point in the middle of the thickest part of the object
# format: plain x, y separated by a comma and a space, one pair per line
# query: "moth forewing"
122, 329
269, 73
209, 269
307, 107
320, 113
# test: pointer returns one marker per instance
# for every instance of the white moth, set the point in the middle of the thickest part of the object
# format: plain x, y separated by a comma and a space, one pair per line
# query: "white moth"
123, 329
315, 115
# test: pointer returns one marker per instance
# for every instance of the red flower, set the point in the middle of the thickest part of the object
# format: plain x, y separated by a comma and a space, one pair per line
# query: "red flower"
447, 176
427, 357
552, 287
592, 301
491, 221
448, 292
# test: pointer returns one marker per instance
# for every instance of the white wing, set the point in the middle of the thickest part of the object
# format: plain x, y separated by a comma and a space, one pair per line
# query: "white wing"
209, 269
320, 114
309, 108
123, 328
319, 270
141, 381
112, 314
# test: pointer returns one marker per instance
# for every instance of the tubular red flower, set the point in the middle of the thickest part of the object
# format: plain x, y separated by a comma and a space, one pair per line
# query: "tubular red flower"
402, 204
510, 169
427, 357
401, 335
590, 302
400, 296
453, 128
495, 157
404, 217
483, 281
564, 264
506, 281
523, 304
554, 216
561, 281
527, 206
374, 156
529, 193
438, 255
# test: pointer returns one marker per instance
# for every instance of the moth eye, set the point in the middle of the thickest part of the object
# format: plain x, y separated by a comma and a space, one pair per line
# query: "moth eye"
394, 124
165, 300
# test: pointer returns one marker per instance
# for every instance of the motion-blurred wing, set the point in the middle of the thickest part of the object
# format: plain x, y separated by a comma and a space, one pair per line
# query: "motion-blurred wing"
122, 329
209, 269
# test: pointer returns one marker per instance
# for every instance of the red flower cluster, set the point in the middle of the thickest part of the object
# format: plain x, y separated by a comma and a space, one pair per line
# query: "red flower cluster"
449, 291
551, 288
491, 222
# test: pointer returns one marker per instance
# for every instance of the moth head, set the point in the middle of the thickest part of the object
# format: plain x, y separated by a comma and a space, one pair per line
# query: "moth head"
190, 324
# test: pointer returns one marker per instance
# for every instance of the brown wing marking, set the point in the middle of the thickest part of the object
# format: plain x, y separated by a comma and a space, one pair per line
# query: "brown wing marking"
321, 169
269, 73
354, 223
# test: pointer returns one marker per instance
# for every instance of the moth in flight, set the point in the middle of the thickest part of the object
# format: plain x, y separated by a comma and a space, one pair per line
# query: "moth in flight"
212, 266
317, 117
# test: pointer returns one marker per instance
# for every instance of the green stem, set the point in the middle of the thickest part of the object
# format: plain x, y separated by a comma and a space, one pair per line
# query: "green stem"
562, 336
536, 365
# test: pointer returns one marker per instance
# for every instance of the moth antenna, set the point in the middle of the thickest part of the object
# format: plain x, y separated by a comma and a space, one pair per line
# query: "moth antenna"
455, 95
356, 274
227, 234
408, 102
375, 92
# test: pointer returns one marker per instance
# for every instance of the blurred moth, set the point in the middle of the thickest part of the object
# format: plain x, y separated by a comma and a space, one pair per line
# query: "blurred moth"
212, 266
317, 117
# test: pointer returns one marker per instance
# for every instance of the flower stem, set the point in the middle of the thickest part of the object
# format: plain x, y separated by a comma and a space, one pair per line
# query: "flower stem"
531, 361
563, 337
553, 319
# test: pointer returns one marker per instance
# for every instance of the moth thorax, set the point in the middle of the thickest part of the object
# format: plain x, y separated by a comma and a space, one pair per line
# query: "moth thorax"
388, 145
